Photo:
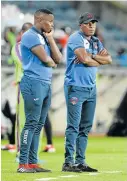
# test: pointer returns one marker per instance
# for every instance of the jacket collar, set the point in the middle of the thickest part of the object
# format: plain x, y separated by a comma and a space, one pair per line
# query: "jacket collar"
35, 29
93, 38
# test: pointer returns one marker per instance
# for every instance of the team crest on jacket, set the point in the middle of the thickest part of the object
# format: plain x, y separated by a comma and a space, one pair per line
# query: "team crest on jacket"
74, 100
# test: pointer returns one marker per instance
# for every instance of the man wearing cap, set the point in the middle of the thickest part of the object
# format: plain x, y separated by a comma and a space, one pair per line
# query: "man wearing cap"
84, 54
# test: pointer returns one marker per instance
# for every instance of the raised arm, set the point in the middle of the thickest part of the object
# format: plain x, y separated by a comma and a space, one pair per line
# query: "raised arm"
34, 44
55, 53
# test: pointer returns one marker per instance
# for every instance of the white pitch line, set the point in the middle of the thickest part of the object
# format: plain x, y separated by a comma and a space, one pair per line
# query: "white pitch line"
93, 174
46, 179
68, 176
114, 171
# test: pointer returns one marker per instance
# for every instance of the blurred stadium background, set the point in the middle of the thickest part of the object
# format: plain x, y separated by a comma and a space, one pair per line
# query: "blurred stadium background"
111, 80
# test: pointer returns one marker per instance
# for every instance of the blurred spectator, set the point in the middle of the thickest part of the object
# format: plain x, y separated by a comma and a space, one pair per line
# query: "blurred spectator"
61, 38
10, 38
67, 30
119, 125
10, 35
19, 35
122, 57
99, 35
11, 135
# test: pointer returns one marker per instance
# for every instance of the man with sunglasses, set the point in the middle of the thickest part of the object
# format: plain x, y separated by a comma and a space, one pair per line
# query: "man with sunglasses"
84, 54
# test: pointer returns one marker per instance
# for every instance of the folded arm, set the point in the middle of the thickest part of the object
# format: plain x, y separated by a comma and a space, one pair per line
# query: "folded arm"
42, 55
86, 58
33, 43
103, 57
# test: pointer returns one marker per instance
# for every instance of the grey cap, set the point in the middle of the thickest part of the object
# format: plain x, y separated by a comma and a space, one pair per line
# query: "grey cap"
86, 18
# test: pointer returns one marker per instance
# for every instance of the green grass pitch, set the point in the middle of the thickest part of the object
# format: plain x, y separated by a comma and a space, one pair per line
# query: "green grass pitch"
108, 155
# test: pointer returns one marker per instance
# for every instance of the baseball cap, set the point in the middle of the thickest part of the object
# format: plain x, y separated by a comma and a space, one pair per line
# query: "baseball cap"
86, 18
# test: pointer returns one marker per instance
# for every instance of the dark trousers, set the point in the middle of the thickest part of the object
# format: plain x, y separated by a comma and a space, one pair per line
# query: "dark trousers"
48, 131
7, 113
37, 100
81, 102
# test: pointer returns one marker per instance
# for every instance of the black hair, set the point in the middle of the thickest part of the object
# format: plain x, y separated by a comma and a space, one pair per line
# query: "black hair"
25, 26
46, 11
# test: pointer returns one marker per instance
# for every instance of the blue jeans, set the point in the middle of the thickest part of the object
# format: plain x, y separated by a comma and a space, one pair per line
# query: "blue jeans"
37, 100
81, 103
